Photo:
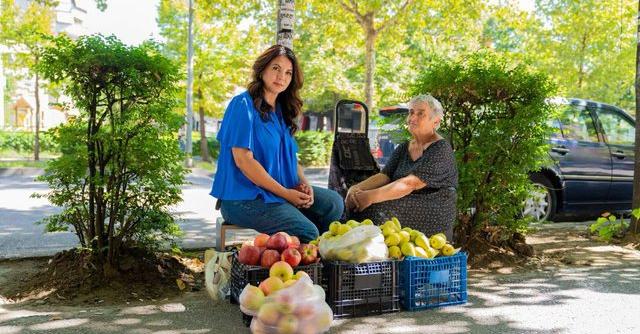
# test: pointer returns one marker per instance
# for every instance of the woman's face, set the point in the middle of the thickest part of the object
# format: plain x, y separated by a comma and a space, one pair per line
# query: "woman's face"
420, 120
277, 75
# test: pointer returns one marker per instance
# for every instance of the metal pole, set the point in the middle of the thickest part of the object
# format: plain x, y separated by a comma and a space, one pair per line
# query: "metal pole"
189, 146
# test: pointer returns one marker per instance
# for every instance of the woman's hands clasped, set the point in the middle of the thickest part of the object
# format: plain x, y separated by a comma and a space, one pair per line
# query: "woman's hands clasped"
301, 196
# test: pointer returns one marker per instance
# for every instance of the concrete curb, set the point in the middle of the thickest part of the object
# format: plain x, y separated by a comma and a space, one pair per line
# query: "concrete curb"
21, 171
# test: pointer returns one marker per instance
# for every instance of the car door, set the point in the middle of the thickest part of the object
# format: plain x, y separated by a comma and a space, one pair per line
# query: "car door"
583, 159
619, 134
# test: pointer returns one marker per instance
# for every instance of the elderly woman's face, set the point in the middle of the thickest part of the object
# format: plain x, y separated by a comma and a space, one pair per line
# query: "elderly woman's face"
420, 119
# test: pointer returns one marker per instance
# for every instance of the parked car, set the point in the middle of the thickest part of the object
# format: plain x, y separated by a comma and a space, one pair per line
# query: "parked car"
592, 147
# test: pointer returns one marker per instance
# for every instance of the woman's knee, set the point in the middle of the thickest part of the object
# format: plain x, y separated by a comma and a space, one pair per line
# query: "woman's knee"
333, 204
306, 232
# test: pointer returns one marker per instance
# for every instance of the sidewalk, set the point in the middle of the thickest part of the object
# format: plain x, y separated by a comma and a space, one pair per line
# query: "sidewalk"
20, 237
601, 297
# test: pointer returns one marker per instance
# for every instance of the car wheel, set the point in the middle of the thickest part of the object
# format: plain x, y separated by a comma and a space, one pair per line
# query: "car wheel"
541, 203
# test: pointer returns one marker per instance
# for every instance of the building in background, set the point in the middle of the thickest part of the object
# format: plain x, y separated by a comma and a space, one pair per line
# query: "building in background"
17, 111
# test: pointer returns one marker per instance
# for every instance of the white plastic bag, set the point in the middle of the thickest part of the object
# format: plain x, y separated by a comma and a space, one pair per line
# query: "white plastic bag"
300, 308
361, 244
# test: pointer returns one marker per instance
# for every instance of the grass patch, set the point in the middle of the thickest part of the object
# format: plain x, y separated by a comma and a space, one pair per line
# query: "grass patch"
23, 163
204, 165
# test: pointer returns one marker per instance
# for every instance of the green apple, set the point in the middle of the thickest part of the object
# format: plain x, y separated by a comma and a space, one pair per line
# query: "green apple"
367, 222
392, 239
333, 227
343, 229
394, 252
437, 241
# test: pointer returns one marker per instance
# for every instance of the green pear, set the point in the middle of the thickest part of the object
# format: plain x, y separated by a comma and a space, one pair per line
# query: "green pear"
408, 249
392, 240
421, 241
396, 222
394, 252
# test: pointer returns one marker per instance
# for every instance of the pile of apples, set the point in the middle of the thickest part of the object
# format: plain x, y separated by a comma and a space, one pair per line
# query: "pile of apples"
286, 303
409, 242
266, 250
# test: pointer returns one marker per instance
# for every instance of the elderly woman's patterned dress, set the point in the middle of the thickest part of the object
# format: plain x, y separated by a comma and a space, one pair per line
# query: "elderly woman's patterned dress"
431, 209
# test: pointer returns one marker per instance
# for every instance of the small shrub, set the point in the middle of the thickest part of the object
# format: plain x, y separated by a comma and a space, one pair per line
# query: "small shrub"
214, 147
23, 141
609, 225
314, 147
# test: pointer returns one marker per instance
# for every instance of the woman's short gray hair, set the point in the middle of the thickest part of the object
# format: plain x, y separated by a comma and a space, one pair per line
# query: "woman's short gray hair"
434, 104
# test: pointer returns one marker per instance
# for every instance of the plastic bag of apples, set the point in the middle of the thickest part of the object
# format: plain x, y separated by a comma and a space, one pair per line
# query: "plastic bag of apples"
299, 308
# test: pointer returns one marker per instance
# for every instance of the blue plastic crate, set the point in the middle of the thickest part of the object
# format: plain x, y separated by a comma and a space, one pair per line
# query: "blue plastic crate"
428, 283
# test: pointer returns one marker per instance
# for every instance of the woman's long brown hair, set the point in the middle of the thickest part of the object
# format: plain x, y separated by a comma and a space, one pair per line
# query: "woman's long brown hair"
289, 100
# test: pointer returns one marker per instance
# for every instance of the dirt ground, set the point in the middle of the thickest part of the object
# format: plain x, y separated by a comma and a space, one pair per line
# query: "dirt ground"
71, 278
42, 282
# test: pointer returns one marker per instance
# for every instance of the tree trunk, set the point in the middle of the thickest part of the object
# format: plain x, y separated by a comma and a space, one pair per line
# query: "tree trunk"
204, 147
286, 16
369, 61
635, 224
36, 143
188, 148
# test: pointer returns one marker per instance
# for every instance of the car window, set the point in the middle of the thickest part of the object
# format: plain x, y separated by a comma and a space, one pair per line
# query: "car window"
556, 128
617, 129
577, 124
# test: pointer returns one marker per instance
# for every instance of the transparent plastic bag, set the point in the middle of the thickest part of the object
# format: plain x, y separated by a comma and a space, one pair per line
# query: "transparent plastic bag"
361, 244
300, 308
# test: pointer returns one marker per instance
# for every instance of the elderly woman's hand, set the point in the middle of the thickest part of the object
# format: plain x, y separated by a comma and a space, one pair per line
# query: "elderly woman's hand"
363, 200
349, 200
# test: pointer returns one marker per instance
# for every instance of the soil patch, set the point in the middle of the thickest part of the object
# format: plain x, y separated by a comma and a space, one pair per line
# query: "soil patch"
496, 248
72, 278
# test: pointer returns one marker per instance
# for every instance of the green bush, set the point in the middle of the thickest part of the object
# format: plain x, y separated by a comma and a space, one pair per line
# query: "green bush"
314, 147
495, 117
120, 170
22, 141
214, 147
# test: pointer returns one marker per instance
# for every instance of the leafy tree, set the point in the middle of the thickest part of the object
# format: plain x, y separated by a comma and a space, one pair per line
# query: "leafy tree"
589, 58
494, 112
28, 32
366, 13
120, 167
221, 51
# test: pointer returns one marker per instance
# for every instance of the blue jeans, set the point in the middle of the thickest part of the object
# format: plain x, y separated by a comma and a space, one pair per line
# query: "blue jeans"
270, 218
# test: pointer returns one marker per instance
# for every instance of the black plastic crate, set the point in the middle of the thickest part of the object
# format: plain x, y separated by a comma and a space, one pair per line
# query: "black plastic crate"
428, 283
355, 290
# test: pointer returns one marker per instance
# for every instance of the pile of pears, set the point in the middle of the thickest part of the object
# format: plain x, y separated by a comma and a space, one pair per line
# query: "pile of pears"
409, 242
337, 229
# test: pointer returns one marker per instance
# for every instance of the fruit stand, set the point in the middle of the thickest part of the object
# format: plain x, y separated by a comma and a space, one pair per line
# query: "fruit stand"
354, 269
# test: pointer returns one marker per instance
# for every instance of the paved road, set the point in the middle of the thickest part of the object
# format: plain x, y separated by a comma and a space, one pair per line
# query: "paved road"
20, 237
580, 299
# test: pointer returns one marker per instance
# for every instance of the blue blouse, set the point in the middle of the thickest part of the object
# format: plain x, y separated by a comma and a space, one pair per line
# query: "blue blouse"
270, 142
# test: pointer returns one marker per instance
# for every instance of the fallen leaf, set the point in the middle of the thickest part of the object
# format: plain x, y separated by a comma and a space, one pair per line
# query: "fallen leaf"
181, 284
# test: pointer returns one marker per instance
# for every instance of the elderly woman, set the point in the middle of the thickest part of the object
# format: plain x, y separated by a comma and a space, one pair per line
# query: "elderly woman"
418, 184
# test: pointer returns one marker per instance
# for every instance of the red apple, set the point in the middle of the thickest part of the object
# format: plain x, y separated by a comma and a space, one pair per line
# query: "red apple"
278, 241
269, 257
249, 255
295, 242
261, 240
291, 256
309, 253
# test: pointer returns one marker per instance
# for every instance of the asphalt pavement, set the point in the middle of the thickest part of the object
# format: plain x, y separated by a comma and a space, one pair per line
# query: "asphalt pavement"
21, 237
601, 298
